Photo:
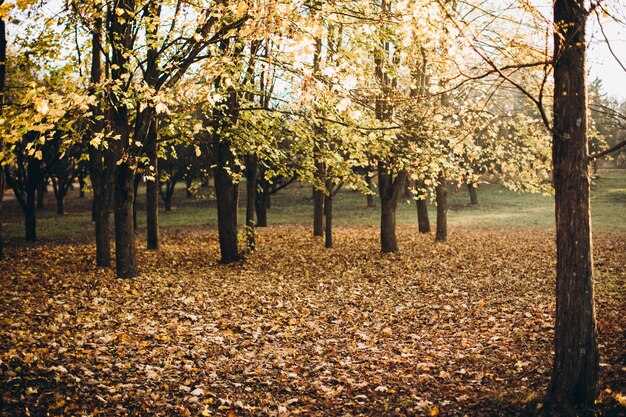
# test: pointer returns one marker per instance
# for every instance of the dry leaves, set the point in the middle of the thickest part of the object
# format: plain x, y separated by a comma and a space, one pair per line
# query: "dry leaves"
439, 329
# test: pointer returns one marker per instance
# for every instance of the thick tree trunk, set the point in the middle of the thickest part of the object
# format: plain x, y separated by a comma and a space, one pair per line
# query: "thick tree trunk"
251, 197
152, 190
576, 360
442, 210
388, 239
472, 193
125, 258
390, 189
423, 222
227, 194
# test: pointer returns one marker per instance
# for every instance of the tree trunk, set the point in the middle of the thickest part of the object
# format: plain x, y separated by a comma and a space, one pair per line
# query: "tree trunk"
390, 190
136, 181
227, 194
126, 264
388, 239
169, 194
422, 215
101, 162
442, 210
318, 212
188, 183
251, 197
60, 185
81, 186
261, 208
152, 190
1, 187
574, 380
472, 193
3, 58
103, 229
61, 204
328, 213
370, 185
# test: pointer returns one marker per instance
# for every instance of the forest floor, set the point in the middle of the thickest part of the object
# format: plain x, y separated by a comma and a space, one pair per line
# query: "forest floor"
462, 328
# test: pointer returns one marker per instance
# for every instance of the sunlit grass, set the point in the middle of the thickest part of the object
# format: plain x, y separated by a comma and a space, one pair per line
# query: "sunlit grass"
498, 207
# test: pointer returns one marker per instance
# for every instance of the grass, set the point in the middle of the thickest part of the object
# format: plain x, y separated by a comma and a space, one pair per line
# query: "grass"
498, 207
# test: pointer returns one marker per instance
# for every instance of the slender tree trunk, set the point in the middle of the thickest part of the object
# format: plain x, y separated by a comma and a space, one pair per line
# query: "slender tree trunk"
136, 181
152, 190
61, 203
472, 193
370, 184
3, 58
102, 212
101, 163
81, 186
318, 202
422, 215
318, 212
1, 196
125, 258
442, 210
251, 197
188, 183
261, 207
328, 214
169, 194
576, 360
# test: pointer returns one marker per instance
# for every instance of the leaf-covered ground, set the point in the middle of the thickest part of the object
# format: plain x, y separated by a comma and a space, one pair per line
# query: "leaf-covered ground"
463, 328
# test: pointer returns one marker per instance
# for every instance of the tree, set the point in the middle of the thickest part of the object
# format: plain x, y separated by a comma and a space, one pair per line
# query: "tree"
576, 360
3, 58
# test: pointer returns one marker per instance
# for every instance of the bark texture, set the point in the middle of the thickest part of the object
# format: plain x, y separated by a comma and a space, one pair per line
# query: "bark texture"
442, 210
574, 380
125, 256
390, 187
472, 193
422, 215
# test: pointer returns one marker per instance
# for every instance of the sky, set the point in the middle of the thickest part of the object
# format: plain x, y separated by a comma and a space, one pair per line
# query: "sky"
601, 62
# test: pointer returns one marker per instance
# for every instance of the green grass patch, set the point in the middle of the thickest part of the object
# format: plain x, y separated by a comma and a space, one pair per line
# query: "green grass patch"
498, 207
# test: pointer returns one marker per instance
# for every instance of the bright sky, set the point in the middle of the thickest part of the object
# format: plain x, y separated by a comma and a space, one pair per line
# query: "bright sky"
601, 62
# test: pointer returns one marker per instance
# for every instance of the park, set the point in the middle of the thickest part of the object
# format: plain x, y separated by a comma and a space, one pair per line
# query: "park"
316, 208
